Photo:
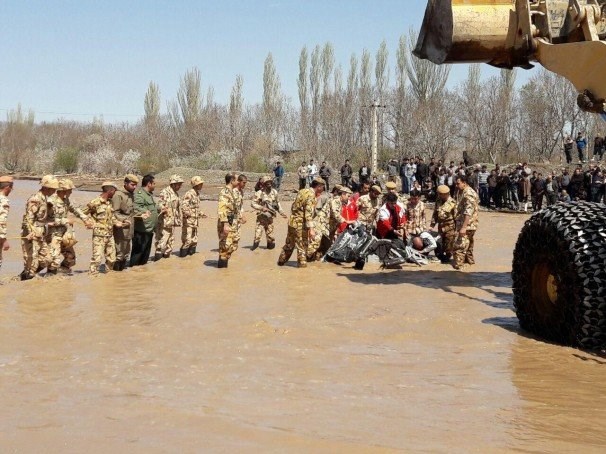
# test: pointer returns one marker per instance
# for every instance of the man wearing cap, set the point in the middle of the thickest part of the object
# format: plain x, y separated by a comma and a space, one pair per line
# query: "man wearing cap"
340, 217
466, 224
146, 218
60, 235
6, 186
227, 218
325, 173
102, 213
190, 208
268, 206
444, 222
390, 186
123, 203
368, 206
169, 217
391, 219
35, 221
241, 181
301, 225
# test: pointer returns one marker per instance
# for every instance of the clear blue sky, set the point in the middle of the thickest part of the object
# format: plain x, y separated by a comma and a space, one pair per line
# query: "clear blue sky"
79, 58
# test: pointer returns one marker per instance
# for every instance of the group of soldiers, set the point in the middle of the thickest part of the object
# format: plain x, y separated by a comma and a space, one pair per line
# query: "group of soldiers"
125, 219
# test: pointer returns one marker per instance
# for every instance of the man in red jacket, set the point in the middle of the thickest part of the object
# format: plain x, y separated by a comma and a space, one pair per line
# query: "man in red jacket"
391, 219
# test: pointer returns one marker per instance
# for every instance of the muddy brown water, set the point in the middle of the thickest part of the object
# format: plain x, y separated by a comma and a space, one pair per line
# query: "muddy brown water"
181, 356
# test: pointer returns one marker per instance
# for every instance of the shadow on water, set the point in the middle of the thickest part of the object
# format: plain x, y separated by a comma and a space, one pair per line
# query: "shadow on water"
449, 281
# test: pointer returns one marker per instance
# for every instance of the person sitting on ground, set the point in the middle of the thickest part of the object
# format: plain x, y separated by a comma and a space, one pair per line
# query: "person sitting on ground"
391, 219
425, 242
564, 196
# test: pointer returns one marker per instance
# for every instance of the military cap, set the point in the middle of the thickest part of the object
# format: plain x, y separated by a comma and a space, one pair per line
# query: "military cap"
319, 180
65, 185
70, 182
175, 179
390, 185
132, 178
50, 183
345, 189
376, 188
443, 189
195, 181
110, 184
6, 179
265, 179
338, 187
45, 178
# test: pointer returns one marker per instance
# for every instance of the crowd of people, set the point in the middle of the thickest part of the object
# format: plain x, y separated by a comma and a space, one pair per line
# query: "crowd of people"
127, 220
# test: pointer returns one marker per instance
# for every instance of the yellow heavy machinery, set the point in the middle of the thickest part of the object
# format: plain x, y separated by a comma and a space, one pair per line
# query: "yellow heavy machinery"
559, 264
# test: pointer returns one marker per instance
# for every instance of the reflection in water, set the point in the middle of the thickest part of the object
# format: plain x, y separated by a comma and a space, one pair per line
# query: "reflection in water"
323, 359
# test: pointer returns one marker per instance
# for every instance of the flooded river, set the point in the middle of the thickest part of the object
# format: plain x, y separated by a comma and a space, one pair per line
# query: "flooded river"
179, 356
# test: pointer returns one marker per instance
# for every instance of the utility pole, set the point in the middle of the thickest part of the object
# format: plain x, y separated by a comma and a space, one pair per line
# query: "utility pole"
373, 146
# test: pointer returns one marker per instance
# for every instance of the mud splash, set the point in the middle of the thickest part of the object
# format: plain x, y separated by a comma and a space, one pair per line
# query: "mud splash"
178, 355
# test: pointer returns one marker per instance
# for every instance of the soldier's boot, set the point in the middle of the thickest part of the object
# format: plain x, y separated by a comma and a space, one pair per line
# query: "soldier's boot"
254, 246
40, 268
157, 256
183, 252
222, 263
191, 250
359, 264
283, 258
271, 245
167, 254
51, 272
116, 266
25, 276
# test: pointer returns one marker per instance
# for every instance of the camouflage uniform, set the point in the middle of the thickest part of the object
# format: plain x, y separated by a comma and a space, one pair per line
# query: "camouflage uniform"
239, 201
190, 208
228, 213
165, 230
335, 218
367, 211
35, 251
415, 219
265, 219
4, 209
301, 220
320, 243
468, 202
102, 213
444, 215
59, 209
124, 211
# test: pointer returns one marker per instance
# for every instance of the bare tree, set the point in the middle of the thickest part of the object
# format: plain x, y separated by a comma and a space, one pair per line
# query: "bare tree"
426, 78
302, 85
152, 104
272, 100
189, 98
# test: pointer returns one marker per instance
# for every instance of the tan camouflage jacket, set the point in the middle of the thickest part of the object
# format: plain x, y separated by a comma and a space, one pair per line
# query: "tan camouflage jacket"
190, 207
4, 209
335, 213
36, 215
303, 210
445, 214
239, 200
322, 215
468, 203
102, 213
169, 199
367, 210
415, 219
123, 203
228, 210
58, 211
263, 199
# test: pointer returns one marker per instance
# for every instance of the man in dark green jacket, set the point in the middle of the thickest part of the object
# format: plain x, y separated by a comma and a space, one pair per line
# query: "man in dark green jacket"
146, 217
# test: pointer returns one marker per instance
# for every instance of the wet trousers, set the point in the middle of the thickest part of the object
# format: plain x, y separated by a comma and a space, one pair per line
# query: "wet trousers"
59, 254
295, 238
103, 247
35, 254
142, 243
463, 250
189, 236
266, 224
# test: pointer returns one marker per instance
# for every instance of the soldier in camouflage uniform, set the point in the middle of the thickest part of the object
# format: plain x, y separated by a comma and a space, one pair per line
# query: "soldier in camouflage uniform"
33, 230
444, 222
60, 235
318, 245
6, 186
368, 207
102, 213
123, 203
190, 208
301, 225
416, 222
466, 223
169, 218
228, 214
268, 207
241, 181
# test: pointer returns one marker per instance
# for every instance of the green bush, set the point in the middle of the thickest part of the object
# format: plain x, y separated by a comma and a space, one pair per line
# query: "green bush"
66, 160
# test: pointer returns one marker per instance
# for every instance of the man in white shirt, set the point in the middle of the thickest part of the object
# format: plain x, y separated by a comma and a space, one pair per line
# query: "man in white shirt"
312, 171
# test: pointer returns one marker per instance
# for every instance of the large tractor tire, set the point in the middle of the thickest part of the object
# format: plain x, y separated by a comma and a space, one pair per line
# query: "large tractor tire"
559, 275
